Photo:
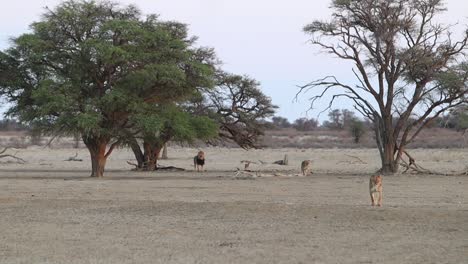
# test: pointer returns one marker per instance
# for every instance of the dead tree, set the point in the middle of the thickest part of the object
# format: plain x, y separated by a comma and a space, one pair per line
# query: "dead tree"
408, 67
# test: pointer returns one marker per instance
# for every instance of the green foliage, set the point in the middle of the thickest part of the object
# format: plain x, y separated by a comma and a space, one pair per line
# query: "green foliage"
89, 67
463, 121
171, 122
204, 127
454, 80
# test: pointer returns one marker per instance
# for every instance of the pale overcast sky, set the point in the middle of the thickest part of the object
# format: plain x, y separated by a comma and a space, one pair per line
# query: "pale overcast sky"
260, 38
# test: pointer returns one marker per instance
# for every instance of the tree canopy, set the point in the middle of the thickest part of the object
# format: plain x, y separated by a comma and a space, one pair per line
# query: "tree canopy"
115, 77
94, 67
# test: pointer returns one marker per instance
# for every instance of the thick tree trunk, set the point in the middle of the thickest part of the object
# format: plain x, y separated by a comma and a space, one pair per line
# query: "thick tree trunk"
150, 161
148, 158
97, 150
151, 155
389, 164
139, 156
386, 146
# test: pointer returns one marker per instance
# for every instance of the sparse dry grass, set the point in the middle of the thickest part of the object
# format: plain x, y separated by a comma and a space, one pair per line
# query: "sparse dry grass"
52, 212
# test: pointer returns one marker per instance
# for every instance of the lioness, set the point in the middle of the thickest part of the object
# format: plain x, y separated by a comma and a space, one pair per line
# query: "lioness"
375, 186
306, 167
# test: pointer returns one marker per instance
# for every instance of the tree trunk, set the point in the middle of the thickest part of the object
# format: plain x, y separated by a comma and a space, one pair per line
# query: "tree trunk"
156, 150
386, 146
164, 152
76, 140
97, 150
148, 158
151, 155
139, 156
389, 164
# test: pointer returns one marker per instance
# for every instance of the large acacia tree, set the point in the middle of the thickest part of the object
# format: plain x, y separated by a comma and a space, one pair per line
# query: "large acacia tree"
93, 67
408, 68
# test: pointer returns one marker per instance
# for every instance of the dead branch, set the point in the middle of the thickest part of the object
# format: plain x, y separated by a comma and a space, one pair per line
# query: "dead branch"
159, 167
250, 174
19, 160
411, 165
244, 174
170, 168
50, 141
74, 158
357, 158
247, 163
417, 169
4, 150
134, 164
284, 161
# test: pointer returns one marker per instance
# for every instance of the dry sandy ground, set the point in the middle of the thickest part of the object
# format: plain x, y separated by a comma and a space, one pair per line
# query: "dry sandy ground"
51, 212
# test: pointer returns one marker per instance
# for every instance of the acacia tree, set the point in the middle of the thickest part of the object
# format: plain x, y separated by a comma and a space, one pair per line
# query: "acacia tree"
91, 67
238, 106
408, 67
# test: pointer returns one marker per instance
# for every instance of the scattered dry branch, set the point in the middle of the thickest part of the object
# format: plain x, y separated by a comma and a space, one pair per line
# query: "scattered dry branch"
136, 166
18, 160
74, 158
247, 163
250, 174
284, 161
417, 169
356, 160
159, 167
169, 168
244, 174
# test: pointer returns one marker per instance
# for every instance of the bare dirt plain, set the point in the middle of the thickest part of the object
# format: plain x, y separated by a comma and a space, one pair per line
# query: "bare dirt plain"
52, 212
